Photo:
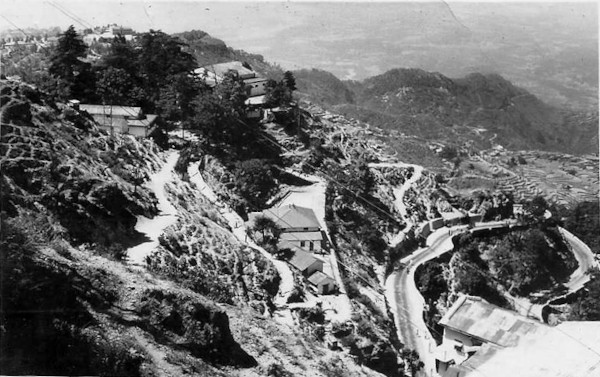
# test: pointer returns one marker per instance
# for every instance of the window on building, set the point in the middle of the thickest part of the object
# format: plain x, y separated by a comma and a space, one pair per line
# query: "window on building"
302, 243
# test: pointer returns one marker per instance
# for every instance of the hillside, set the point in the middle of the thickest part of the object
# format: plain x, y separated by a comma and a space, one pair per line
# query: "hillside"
145, 256
72, 305
484, 110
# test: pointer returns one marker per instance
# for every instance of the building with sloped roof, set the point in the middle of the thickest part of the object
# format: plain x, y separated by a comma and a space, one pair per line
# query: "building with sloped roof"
300, 226
482, 339
322, 282
306, 263
121, 119
255, 85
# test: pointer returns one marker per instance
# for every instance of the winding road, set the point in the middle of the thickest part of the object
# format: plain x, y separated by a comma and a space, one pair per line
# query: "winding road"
399, 195
408, 304
406, 300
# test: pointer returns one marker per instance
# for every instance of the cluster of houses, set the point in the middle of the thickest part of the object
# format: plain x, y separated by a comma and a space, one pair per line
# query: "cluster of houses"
108, 33
302, 235
12, 43
131, 120
256, 86
482, 339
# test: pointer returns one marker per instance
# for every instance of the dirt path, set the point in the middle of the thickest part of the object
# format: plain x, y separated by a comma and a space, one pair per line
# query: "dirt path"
313, 197
585, 259
238, 228
166, 217
399, 193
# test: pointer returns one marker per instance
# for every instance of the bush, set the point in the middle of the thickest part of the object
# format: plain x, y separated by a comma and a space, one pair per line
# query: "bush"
314, 314
255, 182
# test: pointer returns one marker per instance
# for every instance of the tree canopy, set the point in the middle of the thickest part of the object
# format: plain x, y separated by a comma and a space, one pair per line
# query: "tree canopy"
67, 64
255, 182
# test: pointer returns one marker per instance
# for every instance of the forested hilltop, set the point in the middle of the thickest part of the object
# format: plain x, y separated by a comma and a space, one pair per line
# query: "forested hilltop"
170, 254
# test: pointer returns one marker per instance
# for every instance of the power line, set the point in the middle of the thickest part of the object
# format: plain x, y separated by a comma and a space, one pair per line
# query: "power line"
71, 15
328, 177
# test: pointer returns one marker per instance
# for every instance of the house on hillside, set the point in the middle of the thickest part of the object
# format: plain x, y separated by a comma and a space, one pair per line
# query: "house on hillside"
121, 119
482, 339
472, 324
323, 283
255, 85
108, 33
306, 263
300, 227
453, 218
311, 267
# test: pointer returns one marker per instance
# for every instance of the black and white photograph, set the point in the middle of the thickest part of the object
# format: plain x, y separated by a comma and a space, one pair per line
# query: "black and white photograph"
299, 188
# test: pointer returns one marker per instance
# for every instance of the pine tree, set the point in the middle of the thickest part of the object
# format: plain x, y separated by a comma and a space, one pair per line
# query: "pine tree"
65, 64
289, 80
65, 61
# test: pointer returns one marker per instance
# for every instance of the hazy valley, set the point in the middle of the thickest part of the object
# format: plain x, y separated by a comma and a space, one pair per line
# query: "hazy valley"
422, 204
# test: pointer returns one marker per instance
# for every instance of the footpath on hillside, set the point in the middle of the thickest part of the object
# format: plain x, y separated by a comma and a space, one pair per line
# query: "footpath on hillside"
167, 214
238, 228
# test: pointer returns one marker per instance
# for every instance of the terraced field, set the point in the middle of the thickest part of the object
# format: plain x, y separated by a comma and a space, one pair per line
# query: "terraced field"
561, 178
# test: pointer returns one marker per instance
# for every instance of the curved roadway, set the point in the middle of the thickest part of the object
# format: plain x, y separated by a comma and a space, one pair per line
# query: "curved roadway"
406, 300
408, 303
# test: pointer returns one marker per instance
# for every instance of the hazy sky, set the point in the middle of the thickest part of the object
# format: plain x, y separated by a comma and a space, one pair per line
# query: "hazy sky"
223, 18
537, 44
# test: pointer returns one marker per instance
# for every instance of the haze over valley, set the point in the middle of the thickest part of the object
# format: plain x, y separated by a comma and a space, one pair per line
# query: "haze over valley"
299, 189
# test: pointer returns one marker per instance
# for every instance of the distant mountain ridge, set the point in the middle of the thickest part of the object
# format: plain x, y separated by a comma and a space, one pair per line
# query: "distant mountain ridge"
483, 108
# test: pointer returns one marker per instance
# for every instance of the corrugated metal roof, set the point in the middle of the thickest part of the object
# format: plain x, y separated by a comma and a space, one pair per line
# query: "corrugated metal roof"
478, 318
114, 110
150, 118
319, 277
292, 216
568, 350
302, 260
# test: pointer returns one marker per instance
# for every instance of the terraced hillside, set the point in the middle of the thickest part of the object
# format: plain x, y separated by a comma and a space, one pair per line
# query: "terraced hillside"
561, 178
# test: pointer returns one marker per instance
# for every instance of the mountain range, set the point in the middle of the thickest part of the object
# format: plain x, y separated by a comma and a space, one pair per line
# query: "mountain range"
480, 110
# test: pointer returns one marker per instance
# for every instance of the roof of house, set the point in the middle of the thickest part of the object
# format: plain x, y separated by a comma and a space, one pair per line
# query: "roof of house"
113, 110
570, 349
302, 260
256, 100
292, 216
221, 69
452, 215
478, 318
254, 80
301, 236
150, 119
319, 277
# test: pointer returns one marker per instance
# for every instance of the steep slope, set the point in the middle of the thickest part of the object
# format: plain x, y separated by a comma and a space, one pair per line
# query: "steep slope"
322, 87
486, 109
71, 196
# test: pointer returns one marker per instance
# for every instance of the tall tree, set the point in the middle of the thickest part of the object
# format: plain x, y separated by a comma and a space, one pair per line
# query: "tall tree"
66, 64
115, 86
289, 80
122, 55
160, 57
